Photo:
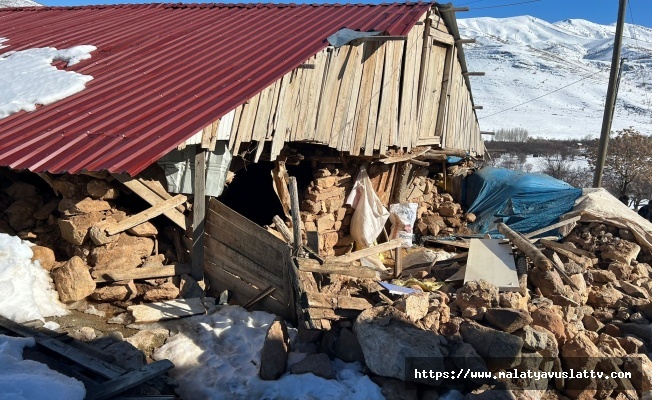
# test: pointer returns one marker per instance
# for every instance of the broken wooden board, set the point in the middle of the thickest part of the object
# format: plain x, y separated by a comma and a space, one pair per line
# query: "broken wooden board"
369, 251
463, 244
564, 249
330, 267
491, 260
106, 380
165, 310
404, 157
551, 227
153, 199
146, 215
140, 273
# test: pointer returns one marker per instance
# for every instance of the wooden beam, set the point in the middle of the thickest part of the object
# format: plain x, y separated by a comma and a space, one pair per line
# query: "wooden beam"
283, 229
156, 187
487, 133
559, 266
398, 262
434, 157
454, 9
449, 152
146, 215
537, 257
296, 219
465, 41
551, 227
100, 367
369, 251
464, 244
259, 297
441, 37
130, 380
332, 267
419, 163
478, 107
199, 215
152, 198
404, 157
473, 73
565, 246
140, 273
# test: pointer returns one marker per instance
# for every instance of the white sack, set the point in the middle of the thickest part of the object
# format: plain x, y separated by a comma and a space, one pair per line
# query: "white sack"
403, 216
370, 215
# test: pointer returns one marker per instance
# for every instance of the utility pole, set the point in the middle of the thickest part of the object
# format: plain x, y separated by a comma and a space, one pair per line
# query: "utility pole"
612, 91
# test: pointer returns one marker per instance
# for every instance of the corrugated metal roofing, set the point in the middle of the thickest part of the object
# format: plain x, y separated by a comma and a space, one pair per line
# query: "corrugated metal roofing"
163, 72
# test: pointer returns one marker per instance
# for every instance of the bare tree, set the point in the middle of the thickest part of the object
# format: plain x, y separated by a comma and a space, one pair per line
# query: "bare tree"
628, 166
564, 169
512, 135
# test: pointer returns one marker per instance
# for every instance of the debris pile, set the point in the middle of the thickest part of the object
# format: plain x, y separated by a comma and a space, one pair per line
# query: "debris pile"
133, 263
583, 306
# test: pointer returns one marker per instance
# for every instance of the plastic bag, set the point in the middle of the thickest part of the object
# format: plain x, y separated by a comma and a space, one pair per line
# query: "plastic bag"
403, 217
370, 215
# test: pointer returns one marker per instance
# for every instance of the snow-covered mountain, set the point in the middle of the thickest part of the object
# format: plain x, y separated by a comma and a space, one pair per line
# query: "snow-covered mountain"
525, 58
18, 3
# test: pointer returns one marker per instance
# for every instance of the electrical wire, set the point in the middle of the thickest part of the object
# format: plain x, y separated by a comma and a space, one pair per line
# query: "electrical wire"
506, 5
631, 17
543, 95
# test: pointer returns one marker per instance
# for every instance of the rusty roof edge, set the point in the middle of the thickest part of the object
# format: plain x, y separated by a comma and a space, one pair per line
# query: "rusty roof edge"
208, 5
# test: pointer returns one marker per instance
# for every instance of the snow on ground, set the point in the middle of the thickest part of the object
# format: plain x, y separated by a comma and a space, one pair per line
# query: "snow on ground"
28, 380
217, 356
526, 58
26, 289
28, 78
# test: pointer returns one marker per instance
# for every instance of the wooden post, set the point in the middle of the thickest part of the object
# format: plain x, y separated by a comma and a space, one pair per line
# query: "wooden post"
296, 219
530, 250
398, 262
199, 215
401, 182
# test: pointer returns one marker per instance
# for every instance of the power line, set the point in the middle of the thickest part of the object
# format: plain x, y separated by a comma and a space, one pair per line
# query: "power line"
471, 2
631, 17
543, 95
506, 5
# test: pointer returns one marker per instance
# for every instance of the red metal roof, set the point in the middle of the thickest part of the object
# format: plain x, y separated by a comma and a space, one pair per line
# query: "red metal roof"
162, 72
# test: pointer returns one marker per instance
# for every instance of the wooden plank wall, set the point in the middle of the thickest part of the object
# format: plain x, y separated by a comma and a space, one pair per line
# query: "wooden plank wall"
364, 98
242, 257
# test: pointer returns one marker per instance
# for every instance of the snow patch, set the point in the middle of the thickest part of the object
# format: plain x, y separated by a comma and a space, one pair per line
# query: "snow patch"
26, 380
217, 356
26, 289
28, 78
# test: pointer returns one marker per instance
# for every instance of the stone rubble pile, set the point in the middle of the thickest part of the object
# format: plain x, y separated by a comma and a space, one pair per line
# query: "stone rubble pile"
602, 325
72, 244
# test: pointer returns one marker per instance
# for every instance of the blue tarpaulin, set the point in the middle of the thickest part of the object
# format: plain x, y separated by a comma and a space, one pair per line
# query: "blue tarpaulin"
524, 201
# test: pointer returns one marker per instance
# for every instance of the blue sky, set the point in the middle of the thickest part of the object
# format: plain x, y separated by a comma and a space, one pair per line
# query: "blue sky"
600, 11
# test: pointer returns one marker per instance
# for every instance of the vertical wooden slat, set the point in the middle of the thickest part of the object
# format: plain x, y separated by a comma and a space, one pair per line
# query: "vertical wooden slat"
362, 110
199, 215
370, 135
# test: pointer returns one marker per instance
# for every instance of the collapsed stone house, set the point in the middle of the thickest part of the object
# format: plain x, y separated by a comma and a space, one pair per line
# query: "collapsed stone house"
186, 98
